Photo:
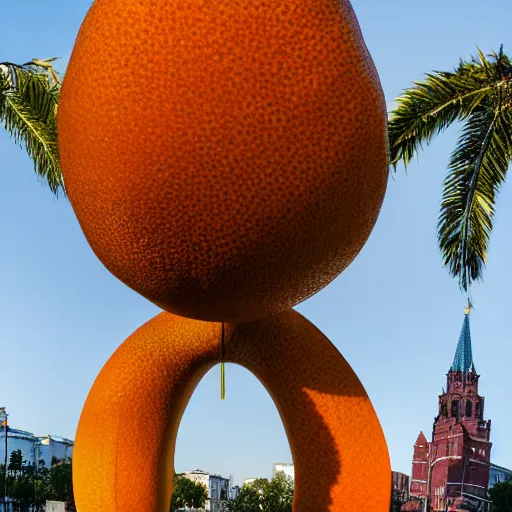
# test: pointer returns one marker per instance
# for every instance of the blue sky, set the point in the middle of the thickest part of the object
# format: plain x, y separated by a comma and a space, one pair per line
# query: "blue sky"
394, 313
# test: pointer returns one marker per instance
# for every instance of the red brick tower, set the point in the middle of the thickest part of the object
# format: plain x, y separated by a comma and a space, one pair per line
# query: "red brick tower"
458, 458
419, 478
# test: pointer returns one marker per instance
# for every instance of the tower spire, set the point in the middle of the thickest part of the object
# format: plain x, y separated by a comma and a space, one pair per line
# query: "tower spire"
463, 360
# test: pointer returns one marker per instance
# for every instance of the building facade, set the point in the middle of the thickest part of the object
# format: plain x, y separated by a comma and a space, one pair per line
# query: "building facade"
400, 485
36, 450
497, 474
219, 488
454, 469
235, 491
284, 467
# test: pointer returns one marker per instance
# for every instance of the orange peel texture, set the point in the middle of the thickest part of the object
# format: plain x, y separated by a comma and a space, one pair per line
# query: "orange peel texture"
124, 452
224, 159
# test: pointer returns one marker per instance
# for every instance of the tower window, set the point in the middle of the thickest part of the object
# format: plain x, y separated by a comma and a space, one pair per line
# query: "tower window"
479, 410
469, 409
455, 408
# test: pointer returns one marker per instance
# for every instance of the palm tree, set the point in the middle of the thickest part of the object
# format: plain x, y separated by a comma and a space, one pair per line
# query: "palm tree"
477, 93
29, 95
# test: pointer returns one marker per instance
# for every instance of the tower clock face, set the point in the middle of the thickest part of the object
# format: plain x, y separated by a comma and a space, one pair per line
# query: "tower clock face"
456, 386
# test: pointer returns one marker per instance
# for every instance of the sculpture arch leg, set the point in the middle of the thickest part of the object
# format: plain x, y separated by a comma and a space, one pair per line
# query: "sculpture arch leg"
123, 458
339, 450
338, 447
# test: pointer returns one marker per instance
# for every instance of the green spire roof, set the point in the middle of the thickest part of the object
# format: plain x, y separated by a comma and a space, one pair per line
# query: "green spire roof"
463, 361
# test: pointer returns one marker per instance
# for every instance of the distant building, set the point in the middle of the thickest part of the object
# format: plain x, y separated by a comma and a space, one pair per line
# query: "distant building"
36, 450
400, 485
284, 467
53, 449
248, 481
219, 488
498, 474
235, 491
19, 440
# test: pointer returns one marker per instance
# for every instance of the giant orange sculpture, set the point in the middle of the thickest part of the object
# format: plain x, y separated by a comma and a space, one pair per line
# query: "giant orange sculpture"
226, 160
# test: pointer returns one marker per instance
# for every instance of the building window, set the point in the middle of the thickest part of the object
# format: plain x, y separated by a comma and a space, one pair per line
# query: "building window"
469, 408
455, 408
479, 410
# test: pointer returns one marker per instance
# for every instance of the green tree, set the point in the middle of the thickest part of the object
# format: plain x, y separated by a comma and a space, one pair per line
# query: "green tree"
59, 484
29, 95
22, 491
477, 93
248, 500
20, 481
187, 493
396, 501
15, 462
501, 496
39, 492
264, 495
278, 496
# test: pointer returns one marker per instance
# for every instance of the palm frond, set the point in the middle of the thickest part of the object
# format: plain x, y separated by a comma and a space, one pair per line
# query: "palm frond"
476, 171
431, 105
29, 96
478, 93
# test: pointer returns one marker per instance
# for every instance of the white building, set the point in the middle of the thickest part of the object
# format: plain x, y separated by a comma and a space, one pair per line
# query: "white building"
18, 440
219, 488
36, 450
235, 491
498, 474
53, 449
284, 467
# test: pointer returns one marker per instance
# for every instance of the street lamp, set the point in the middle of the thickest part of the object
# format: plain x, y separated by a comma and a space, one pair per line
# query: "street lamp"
5, 424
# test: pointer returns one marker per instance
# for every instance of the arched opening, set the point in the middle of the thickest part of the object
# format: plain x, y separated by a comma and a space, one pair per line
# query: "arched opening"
241, 436
469, 408
455, 408
479, 413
